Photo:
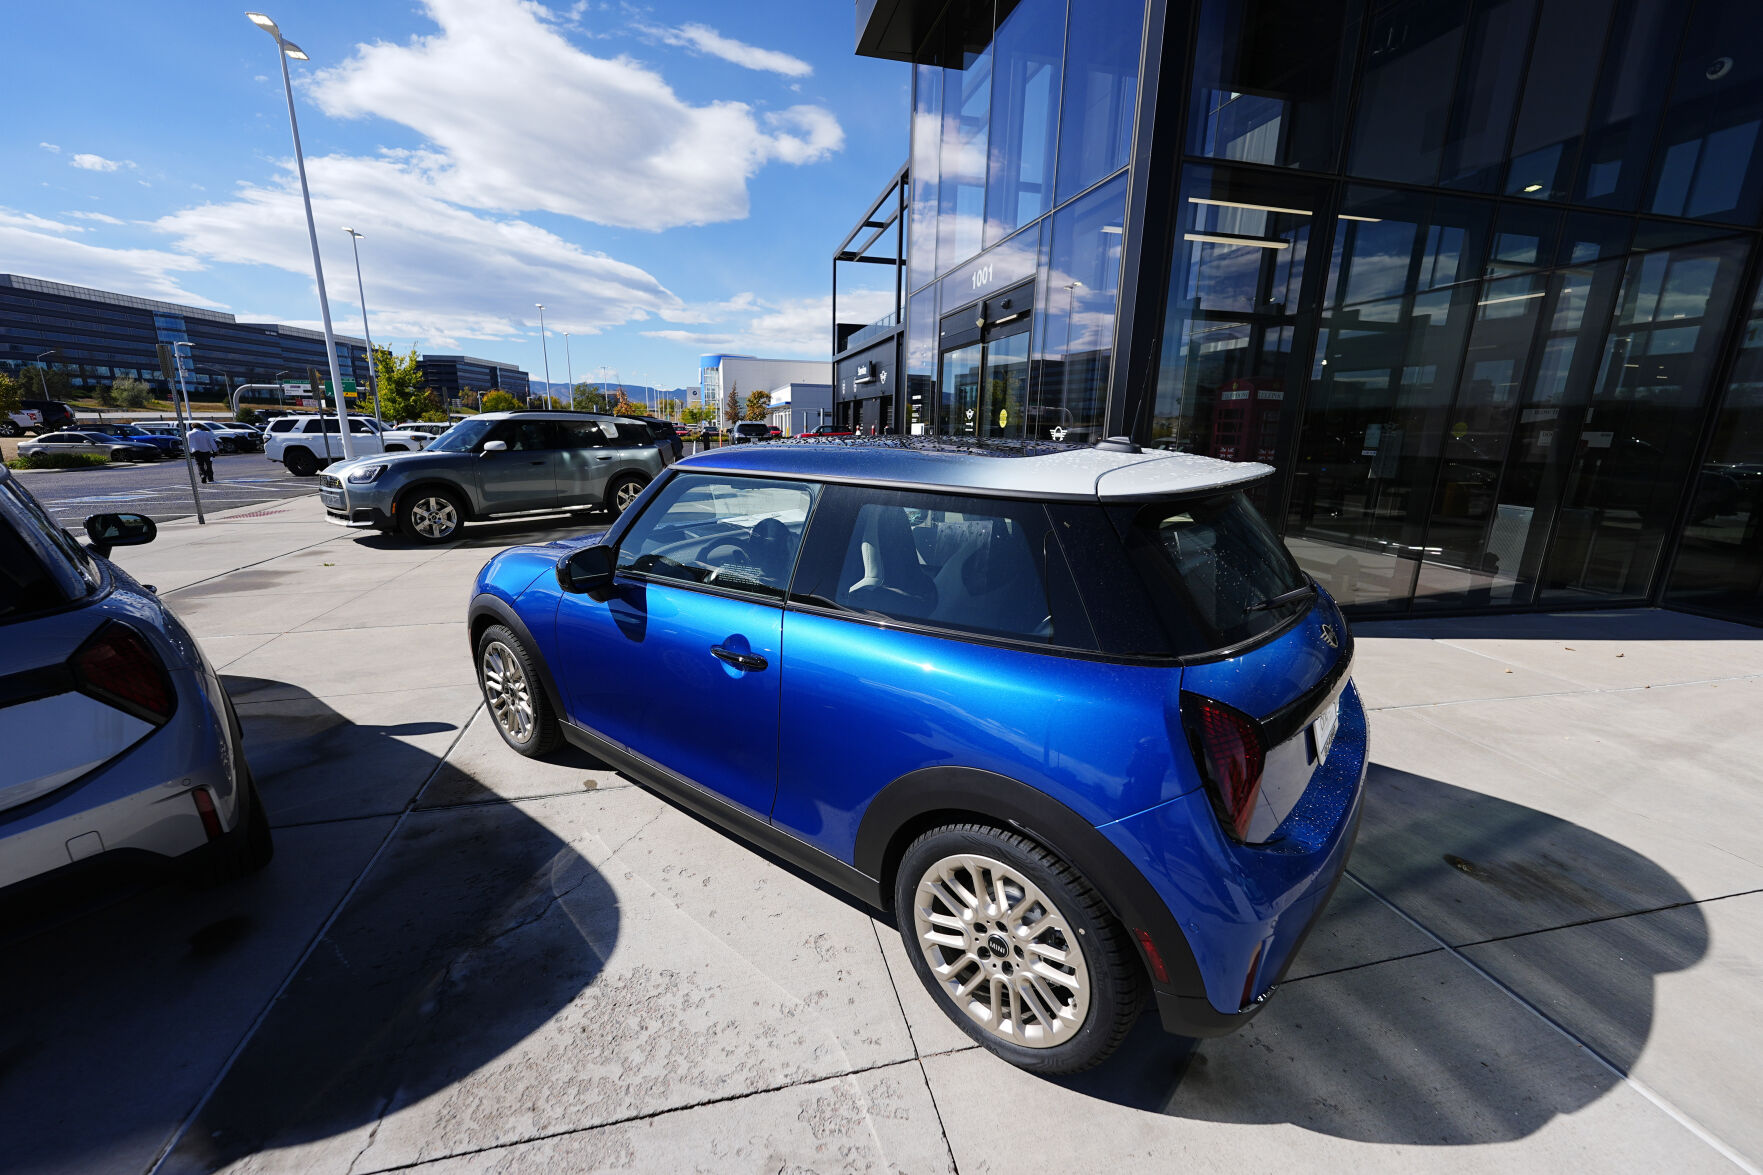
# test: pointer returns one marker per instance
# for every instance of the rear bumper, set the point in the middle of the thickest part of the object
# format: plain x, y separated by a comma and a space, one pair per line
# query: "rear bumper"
1244, 911
141, 801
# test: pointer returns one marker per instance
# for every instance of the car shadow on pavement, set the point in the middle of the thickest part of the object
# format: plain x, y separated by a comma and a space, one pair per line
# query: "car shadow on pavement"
1597, 624
1401, 1041
469, 925
501, 532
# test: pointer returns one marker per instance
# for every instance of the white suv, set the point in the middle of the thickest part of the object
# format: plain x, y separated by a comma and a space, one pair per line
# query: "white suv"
306, 444
16, 424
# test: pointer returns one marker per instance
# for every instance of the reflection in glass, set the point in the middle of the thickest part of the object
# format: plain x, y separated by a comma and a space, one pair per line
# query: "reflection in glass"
1025, 109
1557, 93
921, 360
1405, 90
1269, 79
927, 119
1487, 94
1709, 163
1075, 337
958, 414
1402, 292
1101, 91
1629, 446
967, 94
1720, 562
1235, 291
1631, 93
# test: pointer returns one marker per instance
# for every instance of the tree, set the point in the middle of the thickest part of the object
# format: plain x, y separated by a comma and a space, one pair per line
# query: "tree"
403, 395
499, 401
758, 404
622, 406
585, 397
11, 393
731, 403
126, 392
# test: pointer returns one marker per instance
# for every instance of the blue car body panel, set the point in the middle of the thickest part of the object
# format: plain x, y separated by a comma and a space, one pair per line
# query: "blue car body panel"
879, 704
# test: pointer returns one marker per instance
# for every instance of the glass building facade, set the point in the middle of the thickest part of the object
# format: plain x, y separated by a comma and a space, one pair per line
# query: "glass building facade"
1479, 278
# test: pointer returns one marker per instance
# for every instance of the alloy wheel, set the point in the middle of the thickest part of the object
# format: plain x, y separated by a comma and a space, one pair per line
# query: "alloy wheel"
434, 517
1002, 951
507, 691
626, 494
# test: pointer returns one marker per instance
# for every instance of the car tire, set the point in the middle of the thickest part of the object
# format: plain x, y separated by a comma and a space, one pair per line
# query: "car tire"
514, 694
431, 515
622, 492
247, 849
946, 886
300, 462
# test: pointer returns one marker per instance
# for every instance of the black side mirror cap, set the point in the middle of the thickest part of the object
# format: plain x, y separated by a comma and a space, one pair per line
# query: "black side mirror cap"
587, 570
119, 530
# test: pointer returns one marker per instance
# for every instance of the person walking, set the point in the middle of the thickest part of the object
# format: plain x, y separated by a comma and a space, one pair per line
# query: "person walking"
203, 447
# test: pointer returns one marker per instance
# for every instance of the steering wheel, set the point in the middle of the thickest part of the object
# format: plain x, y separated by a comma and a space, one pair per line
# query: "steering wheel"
736, 550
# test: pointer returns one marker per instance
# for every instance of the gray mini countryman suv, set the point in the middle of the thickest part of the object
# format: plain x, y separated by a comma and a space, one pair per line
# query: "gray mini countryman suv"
494, 464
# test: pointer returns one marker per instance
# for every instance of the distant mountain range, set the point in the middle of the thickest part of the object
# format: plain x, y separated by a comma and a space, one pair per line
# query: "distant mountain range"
633, 391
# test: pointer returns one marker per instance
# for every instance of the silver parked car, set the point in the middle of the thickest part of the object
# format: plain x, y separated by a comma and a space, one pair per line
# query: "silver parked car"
495, 464
117, 738
90, 444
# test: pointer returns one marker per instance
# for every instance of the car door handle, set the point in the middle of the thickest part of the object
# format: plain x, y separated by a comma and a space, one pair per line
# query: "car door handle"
538, 462
602, 456
751, 661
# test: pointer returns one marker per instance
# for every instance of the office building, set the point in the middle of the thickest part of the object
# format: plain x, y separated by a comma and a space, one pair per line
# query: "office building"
742, 375
800, 407
455, 378
1480, 278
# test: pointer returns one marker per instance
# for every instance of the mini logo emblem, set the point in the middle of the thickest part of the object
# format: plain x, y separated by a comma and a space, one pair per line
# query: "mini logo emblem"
1329, 638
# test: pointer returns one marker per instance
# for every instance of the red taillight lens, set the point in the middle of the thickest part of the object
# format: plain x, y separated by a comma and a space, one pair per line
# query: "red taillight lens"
1227, 746
119, 667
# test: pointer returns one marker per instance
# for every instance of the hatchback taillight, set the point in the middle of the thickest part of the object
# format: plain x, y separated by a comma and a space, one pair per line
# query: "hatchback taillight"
1227, 746
117, 666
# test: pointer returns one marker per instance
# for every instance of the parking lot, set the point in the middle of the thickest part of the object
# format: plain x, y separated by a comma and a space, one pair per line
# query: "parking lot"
1544, 955
161, 489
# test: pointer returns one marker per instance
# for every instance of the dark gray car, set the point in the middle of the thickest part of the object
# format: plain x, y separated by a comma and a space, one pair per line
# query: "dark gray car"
495, 464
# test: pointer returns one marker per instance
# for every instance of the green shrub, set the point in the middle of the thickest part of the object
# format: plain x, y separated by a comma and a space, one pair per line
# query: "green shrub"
500, 401
57, 461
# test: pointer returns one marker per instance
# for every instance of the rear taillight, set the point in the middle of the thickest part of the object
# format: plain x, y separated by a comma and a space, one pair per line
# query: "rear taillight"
1227, 747
117, 666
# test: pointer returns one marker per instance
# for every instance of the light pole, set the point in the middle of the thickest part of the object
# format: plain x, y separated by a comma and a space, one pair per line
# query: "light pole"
373, 367
225, 375
184, 426
545, 343
284, 50
569, 368
43, 371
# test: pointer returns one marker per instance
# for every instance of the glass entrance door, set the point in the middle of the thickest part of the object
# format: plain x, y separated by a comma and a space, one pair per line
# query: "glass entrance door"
962, 370
985, 386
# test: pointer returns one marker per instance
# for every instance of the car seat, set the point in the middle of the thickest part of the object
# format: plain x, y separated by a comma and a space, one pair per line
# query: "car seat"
882, 572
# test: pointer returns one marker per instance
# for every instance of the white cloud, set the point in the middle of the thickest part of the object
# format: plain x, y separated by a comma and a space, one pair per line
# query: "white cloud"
34, 246
88, 162
784, 328
50, 147
520, 119
100, 217
434, 271
705, 39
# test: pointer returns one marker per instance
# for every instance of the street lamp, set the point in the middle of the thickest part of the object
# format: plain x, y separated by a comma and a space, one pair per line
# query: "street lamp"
284, 50
545, 343
225, 375
373, 378
569, 368
43, 371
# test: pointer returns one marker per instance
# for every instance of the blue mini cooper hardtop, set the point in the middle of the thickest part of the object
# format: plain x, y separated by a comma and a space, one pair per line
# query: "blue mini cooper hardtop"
1074, 715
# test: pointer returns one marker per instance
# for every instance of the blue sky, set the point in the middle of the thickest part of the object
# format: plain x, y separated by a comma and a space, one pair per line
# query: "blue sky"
669, 178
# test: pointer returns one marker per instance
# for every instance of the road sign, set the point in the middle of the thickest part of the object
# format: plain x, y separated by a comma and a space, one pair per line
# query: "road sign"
167, 364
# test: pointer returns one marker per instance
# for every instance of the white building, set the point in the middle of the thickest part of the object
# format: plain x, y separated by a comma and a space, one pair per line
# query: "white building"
742, 375
798, 407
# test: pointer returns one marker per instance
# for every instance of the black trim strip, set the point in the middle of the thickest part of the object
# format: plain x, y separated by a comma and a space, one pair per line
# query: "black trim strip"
33, 685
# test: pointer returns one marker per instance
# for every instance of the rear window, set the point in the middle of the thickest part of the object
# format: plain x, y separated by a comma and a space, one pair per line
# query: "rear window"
1213, 568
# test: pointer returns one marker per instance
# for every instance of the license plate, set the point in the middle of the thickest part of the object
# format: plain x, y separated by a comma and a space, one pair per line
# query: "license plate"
1322, 730
332, 499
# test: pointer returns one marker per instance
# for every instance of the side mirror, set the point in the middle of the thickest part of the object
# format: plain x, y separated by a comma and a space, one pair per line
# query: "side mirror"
119, 530
495, 447
588, 570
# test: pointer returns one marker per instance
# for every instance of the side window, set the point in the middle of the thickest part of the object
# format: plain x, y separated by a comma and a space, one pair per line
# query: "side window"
358, 426
738, 533
525, 435
581, 434
40, 566
979, 565
281, 425
328, 424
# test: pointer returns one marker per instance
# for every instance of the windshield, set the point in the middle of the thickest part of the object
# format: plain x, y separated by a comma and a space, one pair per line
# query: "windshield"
463, 437
1217, 570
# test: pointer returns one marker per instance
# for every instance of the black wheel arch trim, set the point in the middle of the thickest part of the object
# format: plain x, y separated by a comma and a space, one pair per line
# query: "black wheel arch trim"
905, 806
499, 611
453, 490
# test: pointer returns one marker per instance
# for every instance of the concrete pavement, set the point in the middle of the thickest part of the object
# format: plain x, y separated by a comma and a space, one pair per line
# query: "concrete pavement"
1544, 956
